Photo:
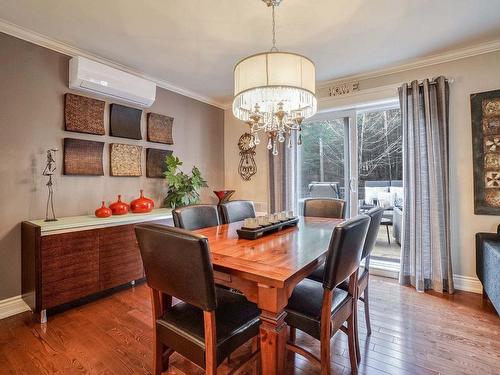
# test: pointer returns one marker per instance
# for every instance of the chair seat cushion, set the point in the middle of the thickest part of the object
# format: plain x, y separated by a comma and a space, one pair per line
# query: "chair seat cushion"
318, 273
181, 328
304, 306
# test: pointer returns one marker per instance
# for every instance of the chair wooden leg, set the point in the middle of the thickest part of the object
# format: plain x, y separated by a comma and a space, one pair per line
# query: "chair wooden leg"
351, 338
356, 331
325, 356
158, 362
210, 343
388, 236
292, 334
367, 312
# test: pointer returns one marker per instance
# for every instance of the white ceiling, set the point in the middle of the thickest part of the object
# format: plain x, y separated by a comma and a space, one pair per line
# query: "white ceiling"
193, 44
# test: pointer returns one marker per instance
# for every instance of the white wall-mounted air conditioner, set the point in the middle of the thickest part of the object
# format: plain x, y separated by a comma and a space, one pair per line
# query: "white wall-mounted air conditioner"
97, 78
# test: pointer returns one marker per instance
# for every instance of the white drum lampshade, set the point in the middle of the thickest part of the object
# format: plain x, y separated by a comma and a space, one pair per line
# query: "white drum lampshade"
270, 78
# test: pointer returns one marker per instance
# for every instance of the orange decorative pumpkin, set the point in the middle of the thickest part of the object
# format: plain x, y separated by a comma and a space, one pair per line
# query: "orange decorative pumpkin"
119, 207
141, 204
103, 211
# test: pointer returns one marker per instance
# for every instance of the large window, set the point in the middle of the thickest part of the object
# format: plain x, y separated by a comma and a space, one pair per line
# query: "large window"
321, 170
379, 145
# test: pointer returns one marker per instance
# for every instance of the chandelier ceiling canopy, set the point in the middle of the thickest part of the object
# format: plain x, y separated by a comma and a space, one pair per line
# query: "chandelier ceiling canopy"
274, 92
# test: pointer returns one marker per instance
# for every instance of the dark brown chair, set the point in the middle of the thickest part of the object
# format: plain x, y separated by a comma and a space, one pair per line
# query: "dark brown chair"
196, 216
236, 211
363, 275
320, 310
209, 323
325, 207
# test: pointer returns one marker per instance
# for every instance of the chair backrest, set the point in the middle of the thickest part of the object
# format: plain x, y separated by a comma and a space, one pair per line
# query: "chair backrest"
325, 207
177, 262
196, 216
324, 190
236, 211
344, 253
371, 237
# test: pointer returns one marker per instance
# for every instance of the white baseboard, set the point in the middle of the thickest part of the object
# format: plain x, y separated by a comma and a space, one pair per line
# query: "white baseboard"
12, 306
391, 270
468, 284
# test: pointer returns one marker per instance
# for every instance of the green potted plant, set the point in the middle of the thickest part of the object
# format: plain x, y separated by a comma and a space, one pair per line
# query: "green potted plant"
182, 188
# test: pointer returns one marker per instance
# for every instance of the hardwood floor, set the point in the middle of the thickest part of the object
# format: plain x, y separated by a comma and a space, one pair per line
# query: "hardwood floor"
412, 333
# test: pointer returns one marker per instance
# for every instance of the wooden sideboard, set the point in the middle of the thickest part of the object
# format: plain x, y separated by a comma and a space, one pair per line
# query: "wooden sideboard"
75, 257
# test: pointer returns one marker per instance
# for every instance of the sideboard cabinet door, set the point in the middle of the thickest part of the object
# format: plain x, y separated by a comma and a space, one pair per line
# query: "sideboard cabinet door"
70, 267
119, 256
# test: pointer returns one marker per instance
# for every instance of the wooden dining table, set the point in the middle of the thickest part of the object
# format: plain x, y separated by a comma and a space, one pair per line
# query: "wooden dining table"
266, 270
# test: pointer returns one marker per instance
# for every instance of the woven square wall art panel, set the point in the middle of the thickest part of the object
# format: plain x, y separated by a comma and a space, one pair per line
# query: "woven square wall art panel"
125, 160
160, 128
83, 115
155, 162
82, 157
125, 122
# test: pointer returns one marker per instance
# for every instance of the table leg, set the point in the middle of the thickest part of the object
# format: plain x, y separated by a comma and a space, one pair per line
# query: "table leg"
273, 329
273, 332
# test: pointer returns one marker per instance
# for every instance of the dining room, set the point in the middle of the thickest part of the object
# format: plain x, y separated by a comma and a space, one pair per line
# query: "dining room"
249, 187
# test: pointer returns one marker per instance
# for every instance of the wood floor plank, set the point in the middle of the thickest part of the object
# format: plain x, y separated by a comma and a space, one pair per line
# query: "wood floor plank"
412, 333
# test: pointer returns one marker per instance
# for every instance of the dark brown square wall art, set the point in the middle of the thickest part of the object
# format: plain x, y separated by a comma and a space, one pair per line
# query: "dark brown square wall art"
155, 162
160, 128
485, 111
125, 122
125, 160
83, 115
83, 157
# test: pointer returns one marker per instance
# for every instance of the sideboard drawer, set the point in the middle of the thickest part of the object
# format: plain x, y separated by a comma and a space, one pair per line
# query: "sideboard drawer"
70, 267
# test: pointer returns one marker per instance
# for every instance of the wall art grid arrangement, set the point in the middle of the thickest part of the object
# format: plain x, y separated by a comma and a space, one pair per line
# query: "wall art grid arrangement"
82, 157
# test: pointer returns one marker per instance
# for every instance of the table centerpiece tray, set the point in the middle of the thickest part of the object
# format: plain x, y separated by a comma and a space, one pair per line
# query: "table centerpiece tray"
255, 233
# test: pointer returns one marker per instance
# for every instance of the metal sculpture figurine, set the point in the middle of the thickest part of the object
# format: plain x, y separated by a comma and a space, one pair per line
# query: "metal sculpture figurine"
49, 170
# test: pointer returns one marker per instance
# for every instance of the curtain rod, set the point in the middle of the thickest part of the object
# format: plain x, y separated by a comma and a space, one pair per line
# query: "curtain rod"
431, 82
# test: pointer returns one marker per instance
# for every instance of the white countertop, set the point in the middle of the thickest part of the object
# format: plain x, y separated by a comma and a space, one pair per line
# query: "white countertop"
85, 222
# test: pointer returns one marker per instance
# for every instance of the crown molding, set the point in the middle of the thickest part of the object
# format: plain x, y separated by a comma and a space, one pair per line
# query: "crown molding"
66, 49
440, 58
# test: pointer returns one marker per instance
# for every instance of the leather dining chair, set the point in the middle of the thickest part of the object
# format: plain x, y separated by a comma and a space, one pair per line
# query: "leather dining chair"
320, 309
236, 211
325, 207
363, 275
196, 216
208, 323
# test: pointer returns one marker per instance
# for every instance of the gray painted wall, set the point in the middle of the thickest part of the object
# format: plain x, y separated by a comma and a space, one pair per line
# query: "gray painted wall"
33, 81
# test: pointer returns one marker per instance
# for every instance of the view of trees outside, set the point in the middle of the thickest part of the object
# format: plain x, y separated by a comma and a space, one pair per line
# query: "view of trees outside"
322, 154
379, 150
380, 142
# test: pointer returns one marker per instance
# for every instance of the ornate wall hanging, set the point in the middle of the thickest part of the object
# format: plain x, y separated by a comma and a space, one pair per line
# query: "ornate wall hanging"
247, 167
83, 115
485, 111
125, 160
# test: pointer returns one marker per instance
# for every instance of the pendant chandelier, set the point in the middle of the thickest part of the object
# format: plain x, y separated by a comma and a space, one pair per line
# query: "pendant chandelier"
274, 92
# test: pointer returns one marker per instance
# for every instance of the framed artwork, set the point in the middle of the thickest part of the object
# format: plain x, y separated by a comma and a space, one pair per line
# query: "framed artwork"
155, 162
83, 115
160, 128
485, 112
125, 122
125, 160
82, 158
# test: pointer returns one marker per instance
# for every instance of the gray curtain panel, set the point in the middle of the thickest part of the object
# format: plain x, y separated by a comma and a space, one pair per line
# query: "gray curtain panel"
282, 177
425, 252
